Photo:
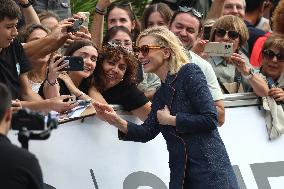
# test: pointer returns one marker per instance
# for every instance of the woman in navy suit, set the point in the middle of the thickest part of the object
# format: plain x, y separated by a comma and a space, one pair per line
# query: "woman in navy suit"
183, 111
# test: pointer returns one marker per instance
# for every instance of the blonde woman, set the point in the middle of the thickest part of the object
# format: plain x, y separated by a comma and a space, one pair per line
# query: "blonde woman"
183, 111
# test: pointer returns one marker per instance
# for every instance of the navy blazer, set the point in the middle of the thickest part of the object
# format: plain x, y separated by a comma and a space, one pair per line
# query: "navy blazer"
197, 155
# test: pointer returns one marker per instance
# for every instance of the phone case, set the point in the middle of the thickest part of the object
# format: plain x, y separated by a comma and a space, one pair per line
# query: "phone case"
87, 15
219, 49
76, 63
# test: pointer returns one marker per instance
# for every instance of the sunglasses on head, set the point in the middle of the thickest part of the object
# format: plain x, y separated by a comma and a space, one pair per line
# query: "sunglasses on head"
119, 47
231, 34
269, 54
125, 4
191, 10
144, 49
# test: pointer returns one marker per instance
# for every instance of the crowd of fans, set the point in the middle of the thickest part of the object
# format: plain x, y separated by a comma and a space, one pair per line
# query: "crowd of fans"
45, 39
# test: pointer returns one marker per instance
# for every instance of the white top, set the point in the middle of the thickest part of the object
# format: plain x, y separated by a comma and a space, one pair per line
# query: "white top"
210, 75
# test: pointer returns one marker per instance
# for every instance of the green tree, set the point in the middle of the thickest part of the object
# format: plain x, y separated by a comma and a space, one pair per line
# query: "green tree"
90, 5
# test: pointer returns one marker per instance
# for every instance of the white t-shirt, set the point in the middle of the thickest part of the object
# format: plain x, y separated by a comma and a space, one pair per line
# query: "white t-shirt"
210, 75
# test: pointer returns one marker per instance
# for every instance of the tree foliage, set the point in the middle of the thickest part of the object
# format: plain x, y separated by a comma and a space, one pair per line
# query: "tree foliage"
90, 5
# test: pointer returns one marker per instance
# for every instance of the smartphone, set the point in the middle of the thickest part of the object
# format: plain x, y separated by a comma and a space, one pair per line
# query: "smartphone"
206, 32
76, 63
219, 49
76, 26
86, 21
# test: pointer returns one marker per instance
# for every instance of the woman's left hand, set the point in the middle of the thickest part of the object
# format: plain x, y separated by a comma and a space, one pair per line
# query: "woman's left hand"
164, 117
239, 62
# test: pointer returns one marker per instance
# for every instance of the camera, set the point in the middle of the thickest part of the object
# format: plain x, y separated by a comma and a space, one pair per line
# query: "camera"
31, 120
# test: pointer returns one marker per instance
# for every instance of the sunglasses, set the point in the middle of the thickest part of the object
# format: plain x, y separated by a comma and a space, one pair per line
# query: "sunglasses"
231, 34
191, 10
144, 49
269, 55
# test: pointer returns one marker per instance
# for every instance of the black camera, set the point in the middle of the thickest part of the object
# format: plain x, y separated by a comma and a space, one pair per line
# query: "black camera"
25, 118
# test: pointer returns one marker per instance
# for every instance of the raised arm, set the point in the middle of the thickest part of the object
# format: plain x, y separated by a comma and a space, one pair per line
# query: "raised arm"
216, 9
51, 87
52, 42
98, 22
28, 12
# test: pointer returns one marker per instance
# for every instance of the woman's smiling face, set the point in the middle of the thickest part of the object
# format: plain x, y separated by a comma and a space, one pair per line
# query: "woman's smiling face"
114, 71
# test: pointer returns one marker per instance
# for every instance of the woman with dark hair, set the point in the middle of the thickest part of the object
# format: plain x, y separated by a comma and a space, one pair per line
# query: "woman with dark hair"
77, 83
37, 75
148, 82
119, 35
117, 14
115, 79
158, 14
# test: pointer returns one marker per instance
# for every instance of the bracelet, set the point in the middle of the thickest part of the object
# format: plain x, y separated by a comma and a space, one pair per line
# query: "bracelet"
80, 95
25, 5
99, 11
51, 84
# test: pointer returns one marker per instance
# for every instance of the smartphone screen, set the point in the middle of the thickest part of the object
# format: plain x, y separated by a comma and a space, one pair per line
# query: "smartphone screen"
206, 32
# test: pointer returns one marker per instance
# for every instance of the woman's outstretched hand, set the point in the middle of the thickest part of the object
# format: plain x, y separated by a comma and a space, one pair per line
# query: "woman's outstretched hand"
106, 113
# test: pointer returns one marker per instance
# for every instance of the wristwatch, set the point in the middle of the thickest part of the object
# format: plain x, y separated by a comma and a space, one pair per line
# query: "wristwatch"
26, 5
252, 71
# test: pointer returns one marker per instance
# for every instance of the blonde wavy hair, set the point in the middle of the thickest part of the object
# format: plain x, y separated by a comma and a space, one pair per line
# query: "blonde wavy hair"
165, 38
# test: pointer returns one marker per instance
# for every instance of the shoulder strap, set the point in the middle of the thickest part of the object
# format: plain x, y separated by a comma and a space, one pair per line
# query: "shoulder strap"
223, 86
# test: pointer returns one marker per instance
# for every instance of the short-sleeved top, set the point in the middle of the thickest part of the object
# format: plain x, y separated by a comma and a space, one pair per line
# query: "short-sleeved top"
128, 96
13, 63
210, 75
84, 87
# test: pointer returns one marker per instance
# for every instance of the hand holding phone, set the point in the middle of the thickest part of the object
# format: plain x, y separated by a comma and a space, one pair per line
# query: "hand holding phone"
76, 25
54, 68
222, 49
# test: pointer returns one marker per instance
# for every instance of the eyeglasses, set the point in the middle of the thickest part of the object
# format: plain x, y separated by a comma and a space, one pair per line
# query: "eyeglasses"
269, 54
144, 49
231, 34
191, 10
